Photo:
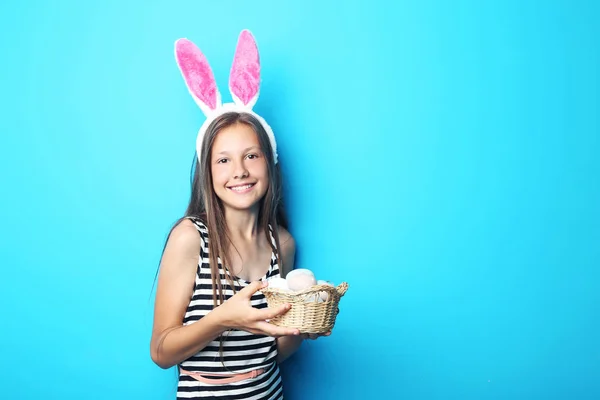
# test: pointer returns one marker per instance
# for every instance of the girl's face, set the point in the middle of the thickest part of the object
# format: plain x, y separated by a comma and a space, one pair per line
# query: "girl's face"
239, 169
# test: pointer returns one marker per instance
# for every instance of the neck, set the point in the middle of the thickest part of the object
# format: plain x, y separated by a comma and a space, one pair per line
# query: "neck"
242, 223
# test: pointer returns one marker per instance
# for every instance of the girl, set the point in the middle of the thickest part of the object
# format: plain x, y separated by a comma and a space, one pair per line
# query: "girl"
210, 317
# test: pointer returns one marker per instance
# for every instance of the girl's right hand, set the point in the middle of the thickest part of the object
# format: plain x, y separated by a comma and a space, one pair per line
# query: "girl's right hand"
237, 312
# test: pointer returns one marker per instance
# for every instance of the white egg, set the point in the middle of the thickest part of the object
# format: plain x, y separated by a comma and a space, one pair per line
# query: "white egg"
300, 279
323, 296
278, 283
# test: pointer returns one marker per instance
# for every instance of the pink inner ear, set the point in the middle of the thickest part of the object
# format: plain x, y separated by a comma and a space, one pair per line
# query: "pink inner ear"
196, 72
244, 80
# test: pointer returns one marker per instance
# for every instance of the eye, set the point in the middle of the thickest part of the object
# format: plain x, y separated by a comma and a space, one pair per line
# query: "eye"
222, 161
252, 156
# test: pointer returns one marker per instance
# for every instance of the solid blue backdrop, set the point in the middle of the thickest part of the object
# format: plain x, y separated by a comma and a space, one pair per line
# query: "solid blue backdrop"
440, 157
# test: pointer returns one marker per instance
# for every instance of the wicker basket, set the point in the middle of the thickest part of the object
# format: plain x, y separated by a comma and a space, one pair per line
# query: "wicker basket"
306, 314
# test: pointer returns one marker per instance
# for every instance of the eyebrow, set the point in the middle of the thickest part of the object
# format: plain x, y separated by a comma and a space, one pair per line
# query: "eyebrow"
245, 150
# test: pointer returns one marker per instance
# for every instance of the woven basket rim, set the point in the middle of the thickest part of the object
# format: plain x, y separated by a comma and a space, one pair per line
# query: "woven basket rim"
313, 289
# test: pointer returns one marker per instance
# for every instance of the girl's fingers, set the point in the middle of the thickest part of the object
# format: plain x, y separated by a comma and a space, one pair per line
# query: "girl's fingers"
315, 336
270, 313
252, 288
276, 331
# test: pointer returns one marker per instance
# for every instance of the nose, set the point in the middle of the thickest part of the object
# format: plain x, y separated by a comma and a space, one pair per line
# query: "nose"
240, 171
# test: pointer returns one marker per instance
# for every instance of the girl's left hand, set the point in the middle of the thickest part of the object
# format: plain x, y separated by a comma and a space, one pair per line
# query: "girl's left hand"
314, 336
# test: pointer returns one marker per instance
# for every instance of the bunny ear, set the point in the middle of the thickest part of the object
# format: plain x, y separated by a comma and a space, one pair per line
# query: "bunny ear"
198, 76
244, 79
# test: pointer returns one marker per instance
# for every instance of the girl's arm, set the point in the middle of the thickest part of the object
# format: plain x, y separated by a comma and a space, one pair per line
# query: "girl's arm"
172, 342
287, 345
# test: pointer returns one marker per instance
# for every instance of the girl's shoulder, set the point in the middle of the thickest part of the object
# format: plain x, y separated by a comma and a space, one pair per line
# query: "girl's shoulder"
183, 244
186, 232
197, 222
284, 235
288, 250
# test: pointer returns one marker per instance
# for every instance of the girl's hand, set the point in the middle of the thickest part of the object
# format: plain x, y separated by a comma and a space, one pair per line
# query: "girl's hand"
314, 336
238, 313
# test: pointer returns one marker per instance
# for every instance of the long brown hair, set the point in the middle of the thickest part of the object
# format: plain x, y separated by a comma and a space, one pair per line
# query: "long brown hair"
208, 208
205, 205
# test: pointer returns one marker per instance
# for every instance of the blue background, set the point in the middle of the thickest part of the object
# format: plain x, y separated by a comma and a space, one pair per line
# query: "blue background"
441, 157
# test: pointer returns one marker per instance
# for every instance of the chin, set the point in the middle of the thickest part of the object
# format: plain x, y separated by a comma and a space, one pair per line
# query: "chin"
236, 202
242, 206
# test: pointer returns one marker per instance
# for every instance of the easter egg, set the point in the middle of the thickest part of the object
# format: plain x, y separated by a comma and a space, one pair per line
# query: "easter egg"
278, 283
323, 296
300, 279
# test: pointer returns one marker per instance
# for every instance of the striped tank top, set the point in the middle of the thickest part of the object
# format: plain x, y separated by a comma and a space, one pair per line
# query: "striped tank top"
242, 351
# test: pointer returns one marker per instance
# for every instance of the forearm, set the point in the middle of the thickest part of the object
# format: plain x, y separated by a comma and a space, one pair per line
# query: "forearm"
175, 345
286, 346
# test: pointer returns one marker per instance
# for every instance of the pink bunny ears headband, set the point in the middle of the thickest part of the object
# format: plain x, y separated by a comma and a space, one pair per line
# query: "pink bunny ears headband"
244, 83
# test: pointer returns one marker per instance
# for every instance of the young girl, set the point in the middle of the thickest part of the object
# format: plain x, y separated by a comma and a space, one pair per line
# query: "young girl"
210, 318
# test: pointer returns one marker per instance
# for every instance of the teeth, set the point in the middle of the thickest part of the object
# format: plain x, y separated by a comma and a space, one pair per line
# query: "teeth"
240, 188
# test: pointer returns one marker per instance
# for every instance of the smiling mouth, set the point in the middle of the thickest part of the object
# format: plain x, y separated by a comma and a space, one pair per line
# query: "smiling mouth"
241, 188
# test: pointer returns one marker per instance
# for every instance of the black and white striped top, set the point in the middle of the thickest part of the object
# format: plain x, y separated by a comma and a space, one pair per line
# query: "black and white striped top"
242, 351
